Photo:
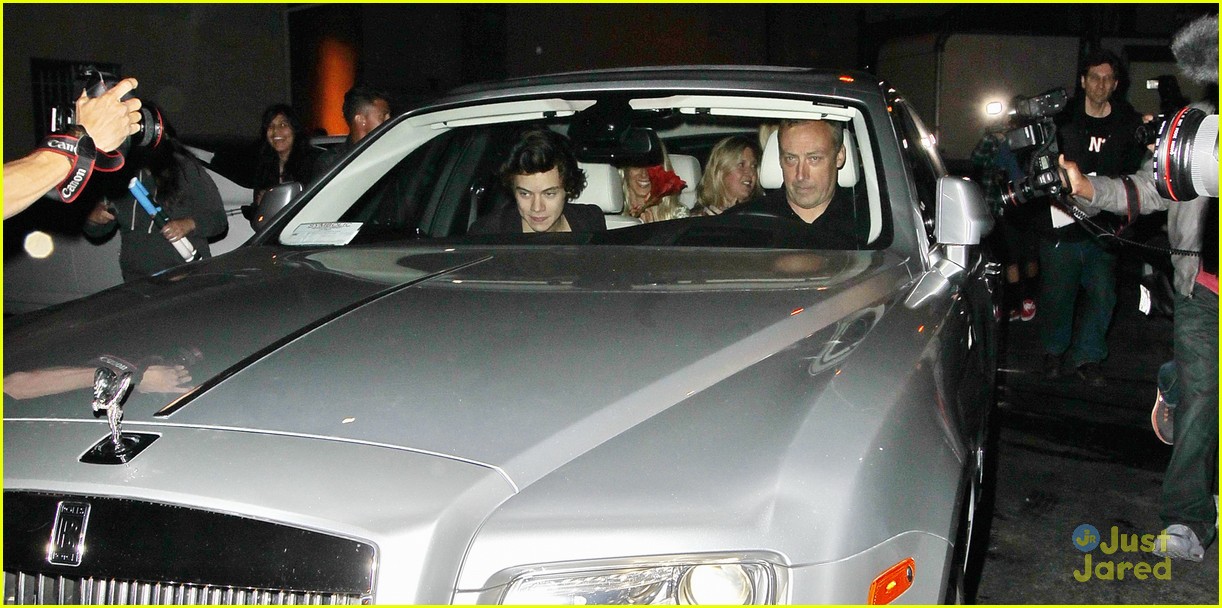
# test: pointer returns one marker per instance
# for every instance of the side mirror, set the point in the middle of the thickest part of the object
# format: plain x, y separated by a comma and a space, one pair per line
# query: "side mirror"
273, 202
963, 220
962, 216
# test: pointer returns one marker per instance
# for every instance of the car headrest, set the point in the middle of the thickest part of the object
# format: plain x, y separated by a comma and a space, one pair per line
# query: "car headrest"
603, 187
770, 165
688, 170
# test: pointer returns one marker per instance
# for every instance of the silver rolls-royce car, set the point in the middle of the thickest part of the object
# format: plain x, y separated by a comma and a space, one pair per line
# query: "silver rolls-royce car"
377, 399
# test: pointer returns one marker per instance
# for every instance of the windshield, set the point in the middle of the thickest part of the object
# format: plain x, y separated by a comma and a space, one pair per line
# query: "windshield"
682, 170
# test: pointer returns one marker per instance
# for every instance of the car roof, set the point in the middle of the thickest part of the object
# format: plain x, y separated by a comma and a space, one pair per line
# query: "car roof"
747, 79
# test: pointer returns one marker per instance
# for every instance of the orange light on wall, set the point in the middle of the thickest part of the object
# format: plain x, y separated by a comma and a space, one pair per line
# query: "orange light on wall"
336, 73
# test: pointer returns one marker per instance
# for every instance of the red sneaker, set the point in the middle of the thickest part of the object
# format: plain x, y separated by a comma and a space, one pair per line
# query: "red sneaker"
1028, 311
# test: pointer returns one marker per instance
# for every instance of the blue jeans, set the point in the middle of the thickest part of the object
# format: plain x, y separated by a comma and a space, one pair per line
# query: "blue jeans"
1068, 266
1188, 485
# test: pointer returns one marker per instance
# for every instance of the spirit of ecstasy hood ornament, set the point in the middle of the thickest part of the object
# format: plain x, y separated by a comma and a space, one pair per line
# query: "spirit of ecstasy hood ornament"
111, 382
109, 390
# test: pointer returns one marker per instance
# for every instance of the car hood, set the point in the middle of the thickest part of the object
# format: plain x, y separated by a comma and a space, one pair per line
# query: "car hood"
516, 358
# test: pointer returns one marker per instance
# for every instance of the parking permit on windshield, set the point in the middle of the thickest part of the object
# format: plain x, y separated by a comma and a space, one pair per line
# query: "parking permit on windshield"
325, 233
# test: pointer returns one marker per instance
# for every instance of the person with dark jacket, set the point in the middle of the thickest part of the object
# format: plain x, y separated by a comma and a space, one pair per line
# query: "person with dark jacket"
1097, 133
365, 109
811, 152
176, 182
1187, 506
542, 173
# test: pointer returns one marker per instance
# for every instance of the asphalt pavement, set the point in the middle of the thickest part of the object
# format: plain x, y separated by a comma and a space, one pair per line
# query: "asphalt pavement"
1072, 455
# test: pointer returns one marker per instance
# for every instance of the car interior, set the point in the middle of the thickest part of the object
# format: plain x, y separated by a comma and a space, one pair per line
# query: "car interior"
440, 187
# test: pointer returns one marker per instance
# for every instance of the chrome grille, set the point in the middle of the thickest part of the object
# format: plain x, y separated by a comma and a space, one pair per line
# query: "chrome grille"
148, 553
32, 588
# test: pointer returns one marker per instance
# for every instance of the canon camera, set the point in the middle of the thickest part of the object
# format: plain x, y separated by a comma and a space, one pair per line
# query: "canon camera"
1037, 133
96, 82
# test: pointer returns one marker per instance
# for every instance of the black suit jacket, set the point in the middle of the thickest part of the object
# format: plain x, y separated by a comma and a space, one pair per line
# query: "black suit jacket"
507, 220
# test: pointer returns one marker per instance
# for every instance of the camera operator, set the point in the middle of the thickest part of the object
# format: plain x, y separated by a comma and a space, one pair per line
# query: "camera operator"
108, 120
1187, 510
1097, 133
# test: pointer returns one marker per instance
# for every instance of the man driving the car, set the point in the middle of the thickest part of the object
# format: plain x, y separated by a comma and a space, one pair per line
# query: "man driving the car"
811, 154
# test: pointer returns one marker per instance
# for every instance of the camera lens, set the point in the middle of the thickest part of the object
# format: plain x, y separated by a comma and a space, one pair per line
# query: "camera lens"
151, 128
1147, 133
1017, 193
1186, 156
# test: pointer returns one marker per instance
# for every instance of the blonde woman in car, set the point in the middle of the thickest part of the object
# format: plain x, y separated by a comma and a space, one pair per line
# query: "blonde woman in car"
652, 193
730, 177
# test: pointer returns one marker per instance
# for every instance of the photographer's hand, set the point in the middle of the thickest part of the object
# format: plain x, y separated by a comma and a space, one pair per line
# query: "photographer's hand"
107, 118
1078, 183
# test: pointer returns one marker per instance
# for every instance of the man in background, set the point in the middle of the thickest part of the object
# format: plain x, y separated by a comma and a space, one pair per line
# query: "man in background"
1098, 135
364, 110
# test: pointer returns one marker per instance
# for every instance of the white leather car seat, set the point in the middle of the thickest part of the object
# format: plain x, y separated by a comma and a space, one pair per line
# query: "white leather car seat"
603, 188
688, 170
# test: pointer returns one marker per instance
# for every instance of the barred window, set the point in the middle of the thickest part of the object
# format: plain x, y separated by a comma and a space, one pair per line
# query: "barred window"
55, 84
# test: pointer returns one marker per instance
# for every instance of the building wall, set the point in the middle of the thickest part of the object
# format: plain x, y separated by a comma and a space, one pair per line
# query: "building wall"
910, 64
206, 86
1025, 65
584, 36
417, 66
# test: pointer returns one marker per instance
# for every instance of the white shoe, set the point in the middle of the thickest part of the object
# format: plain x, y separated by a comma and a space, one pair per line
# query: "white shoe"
1179, 542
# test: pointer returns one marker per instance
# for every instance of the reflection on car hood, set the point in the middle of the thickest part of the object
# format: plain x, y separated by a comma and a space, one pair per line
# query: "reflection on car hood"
520, 358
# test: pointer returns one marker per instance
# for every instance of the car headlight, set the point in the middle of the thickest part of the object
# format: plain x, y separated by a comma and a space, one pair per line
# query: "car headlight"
692, 583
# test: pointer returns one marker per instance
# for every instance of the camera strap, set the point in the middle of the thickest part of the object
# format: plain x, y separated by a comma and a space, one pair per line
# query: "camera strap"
1106, 236
81, 151
1131, 199
109, 162
78, 146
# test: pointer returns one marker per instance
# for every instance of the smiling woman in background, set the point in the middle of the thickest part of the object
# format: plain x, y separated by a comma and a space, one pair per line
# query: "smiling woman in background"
285, 154
651, 193
731, 176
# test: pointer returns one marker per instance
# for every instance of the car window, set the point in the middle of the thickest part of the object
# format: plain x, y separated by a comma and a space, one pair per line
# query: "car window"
396, 204
433, 176
920, 155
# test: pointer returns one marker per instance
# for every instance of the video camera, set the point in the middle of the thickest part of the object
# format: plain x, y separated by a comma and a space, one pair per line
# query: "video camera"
96, 82
1185, 153
1038, 131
